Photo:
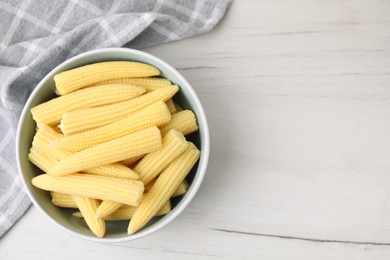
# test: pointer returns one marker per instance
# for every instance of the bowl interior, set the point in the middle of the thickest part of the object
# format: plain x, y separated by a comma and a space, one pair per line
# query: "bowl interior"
116, 231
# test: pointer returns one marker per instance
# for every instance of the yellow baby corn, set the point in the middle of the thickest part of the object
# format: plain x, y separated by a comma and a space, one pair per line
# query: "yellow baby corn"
150, 84
156, 114
126, 212
165, 186
132, 160
93, 186
173, 144
134, 144
89, 118
71, 80
40, 160
63, 200
49, 133
107, 207
88, 207
113, 170
183, 121
51, 111
46, 135
171, 106
183, 187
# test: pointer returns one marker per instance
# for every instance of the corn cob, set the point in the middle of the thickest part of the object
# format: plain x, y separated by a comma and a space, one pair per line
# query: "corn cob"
50, 112
46, 135
63, 200
46, 162
107, 207
183, 121
156, 114
150, 84
183, 187
49, 133
165, 186
87, 207
74, 79
132, 160
134, 144
173, 144
171, 106
40, 160
113, 170
126, 212
89, 118
93, 186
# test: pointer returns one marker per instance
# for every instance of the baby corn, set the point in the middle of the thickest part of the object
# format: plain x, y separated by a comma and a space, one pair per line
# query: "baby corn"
171, 106
93, 186
183, 121
112, 145
107, 207
74, 79
87, 207
40, 160
134, 144
150, 84
173, 144
62, 200
165, 186
183, 187
113, 170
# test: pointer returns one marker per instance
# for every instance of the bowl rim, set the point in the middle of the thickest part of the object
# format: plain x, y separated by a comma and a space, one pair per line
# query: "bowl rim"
202, 164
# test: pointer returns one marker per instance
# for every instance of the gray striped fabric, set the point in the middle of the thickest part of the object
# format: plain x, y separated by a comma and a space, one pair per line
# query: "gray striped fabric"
36, 36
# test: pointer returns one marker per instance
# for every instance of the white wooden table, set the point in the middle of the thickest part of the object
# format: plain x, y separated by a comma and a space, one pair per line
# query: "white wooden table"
297, 94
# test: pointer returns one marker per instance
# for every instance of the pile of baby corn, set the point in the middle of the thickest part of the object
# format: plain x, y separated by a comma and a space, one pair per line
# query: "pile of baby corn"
112, 144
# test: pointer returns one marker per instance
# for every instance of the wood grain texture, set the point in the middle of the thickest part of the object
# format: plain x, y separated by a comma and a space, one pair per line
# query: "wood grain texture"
297, 93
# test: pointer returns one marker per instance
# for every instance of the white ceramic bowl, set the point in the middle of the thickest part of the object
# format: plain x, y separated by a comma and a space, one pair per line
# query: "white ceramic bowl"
116, 231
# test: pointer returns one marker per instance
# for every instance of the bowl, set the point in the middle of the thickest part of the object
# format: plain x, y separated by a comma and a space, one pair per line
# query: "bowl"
116, 231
